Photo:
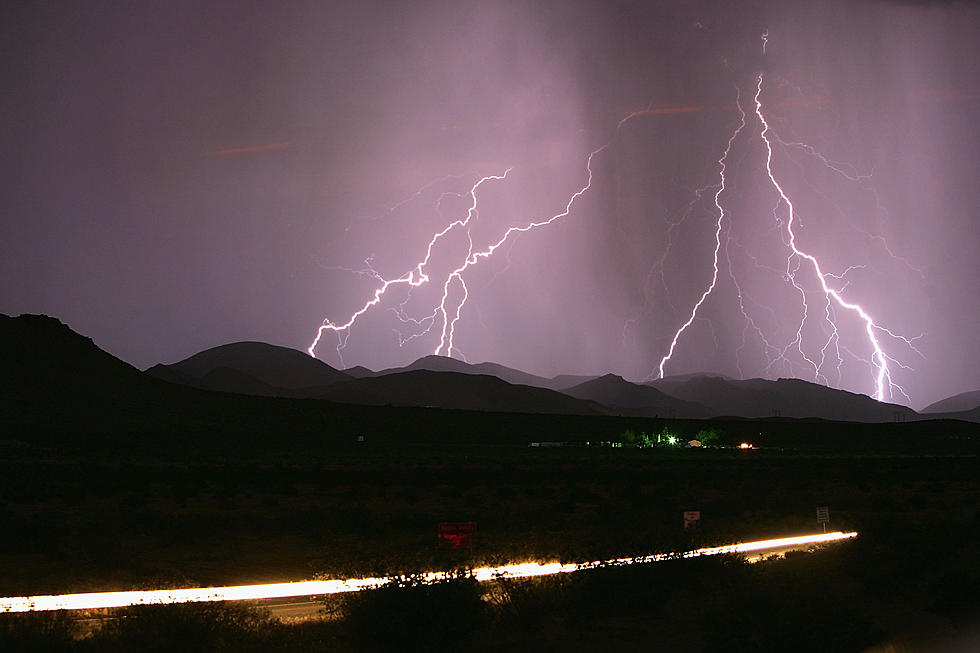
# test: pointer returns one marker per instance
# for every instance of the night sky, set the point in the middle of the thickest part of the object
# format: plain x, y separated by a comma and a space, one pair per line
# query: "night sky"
184, 174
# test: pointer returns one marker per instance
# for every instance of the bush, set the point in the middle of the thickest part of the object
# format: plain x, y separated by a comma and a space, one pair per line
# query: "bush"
187, 627
408, 614
36, 631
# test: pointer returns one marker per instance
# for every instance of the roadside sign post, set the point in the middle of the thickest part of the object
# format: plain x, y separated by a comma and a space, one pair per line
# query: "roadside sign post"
456, 535
823, 516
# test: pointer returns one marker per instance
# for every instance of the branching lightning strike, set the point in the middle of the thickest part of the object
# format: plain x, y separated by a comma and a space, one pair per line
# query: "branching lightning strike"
414, 277
833, 298
722, 163
824, 357
879, 360
417, 276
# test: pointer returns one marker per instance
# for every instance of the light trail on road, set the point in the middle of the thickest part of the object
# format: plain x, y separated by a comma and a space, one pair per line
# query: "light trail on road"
100, 600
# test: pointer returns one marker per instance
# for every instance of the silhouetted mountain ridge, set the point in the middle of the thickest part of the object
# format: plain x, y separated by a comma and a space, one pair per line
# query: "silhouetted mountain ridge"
434, 363
358, 372
794, 398
41, 354
444, 389
616, 392
965, 401
46, 363
254, 368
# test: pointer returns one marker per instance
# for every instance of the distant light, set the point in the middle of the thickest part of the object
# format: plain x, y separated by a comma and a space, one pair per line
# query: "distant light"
98, 600
745, 445
671, 440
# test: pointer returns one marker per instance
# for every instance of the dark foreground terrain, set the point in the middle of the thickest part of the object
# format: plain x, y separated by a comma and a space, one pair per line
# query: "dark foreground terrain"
111, 479
88, 515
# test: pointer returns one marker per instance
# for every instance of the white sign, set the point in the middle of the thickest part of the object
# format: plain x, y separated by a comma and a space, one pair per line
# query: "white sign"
823, 515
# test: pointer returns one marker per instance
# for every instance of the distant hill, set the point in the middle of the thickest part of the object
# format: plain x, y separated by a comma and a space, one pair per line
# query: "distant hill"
563, 381
964, 401
57, 386
781, 398
695, 375
435, 363
618, 393
358, 372
253, 368
456, 390
962, 415
49, 371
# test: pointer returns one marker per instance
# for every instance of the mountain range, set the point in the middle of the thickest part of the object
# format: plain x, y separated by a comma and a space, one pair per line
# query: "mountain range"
42, 355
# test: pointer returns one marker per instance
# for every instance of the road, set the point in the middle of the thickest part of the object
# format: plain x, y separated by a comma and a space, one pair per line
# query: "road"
300, 608
299, 592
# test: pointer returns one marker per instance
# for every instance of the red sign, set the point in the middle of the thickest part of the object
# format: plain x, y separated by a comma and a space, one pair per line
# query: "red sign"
456, 534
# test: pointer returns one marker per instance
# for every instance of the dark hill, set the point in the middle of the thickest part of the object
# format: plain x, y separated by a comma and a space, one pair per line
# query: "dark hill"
225, 379
57, 388
56, 381
358, 372
696, 375
252, 368
42, 357
564, 381
782, 398
456, 390
435, 363
616, 392
965, 401
961, 415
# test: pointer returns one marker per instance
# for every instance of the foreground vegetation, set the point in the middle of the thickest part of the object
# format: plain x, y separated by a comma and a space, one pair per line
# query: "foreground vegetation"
115, 505
90, 522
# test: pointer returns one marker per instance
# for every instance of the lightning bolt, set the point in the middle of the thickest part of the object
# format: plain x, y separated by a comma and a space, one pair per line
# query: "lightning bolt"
445, 312
446, 341
879, 361
722, 163
413, 278
822, 354
831, 284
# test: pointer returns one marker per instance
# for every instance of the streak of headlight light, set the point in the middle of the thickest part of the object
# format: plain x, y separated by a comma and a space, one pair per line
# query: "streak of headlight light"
98, 600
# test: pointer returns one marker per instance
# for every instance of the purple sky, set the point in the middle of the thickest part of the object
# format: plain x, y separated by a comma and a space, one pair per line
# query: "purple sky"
180, 177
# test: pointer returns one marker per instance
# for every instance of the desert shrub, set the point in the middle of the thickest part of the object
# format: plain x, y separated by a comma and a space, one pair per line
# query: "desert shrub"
186, 627
522, 604
408, 614
36, 631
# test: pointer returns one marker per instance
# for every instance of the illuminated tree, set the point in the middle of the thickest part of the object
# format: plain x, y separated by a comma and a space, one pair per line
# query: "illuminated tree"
709, 437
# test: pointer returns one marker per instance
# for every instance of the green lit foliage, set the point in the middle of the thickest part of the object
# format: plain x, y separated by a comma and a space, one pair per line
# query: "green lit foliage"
709, 437
633, 439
